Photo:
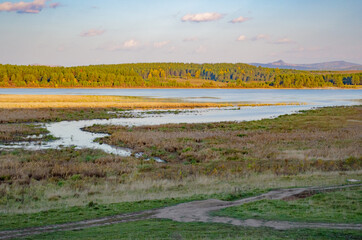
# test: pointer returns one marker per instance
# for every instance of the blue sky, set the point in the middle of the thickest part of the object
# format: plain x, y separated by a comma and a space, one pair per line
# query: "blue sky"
82, 32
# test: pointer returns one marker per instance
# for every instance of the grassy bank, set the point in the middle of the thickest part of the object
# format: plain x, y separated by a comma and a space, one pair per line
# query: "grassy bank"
326, 139
212, 160
201, 159
36, 115
22, 132
71, 101
343, 206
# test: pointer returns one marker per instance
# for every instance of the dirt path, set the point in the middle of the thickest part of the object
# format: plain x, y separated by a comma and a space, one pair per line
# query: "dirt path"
197, 211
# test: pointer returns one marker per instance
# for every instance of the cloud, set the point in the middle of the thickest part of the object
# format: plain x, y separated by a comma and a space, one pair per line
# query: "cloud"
260, 37
160, 44
92, 33
26, 7
240, 19
172, 49
283, 41
130, 44
190, 39
61, 48
54, 5
241, 38
202, 17
127, 45
201, 49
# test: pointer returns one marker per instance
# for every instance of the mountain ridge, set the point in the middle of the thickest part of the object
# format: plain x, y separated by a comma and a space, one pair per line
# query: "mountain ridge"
332, 65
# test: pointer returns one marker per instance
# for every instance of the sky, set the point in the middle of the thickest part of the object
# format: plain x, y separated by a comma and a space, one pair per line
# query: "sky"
83, 32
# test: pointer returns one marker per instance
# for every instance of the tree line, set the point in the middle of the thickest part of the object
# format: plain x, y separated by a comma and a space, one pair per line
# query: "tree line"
169, 75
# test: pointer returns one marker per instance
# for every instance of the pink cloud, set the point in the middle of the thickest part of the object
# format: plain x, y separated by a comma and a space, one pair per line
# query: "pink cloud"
283, 41
241, 38
61, 48
160, 44
54, 5
26, 7
260, 37
92, 33
202, 17
240, 19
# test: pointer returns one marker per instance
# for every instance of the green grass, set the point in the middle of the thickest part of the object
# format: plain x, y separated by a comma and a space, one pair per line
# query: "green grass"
94, 210
166, 229
73, 214
343, 206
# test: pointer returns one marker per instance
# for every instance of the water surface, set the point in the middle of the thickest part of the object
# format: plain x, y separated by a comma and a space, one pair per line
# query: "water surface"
313, 96
70, 133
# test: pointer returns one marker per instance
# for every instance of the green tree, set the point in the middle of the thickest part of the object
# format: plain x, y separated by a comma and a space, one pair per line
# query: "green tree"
339, 81
355, 80
4, 81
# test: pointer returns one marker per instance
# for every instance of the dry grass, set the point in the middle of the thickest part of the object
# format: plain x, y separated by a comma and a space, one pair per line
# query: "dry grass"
20, 132
68, 101
22, 167
270, 104
319, 147
45, 195
21, 115
326, 139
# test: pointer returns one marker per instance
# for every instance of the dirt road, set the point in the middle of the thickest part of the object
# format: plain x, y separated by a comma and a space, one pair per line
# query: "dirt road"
198, 211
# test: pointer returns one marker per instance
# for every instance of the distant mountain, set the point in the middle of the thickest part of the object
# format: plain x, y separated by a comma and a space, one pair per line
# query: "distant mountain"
334, 66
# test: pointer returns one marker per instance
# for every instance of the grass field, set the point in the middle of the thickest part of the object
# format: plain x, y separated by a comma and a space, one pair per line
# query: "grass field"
214, 160
71, 101
166, 229
326, 139
344, 206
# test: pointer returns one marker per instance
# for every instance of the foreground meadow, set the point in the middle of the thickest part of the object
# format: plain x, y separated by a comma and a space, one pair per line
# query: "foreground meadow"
225, 161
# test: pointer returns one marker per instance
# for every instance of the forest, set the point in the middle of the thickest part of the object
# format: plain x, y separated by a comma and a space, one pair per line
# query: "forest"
172, 75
